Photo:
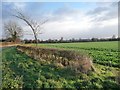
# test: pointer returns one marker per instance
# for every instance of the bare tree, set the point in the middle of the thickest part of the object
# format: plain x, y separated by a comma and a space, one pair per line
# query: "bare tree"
34, 25
13, 30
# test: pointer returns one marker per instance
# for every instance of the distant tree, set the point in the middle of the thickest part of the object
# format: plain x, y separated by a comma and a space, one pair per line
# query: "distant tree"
13, 30
80, 39
113, 37
61, 39
73, 39
94, 39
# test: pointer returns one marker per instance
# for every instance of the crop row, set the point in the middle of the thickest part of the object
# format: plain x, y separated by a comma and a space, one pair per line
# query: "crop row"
104, 56
88, 48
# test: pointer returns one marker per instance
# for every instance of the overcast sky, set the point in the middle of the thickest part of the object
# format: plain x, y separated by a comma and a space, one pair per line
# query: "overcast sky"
67, 20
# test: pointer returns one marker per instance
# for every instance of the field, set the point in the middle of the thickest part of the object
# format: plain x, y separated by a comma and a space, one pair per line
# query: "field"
105, 53
21, 71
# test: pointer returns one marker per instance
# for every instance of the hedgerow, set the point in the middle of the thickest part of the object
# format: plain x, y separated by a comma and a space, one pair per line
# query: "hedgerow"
74, 60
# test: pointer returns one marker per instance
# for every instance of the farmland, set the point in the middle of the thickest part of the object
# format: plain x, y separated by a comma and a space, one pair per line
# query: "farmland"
105, 53
21, 71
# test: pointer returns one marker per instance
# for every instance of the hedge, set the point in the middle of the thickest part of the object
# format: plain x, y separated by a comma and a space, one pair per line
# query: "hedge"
67, 58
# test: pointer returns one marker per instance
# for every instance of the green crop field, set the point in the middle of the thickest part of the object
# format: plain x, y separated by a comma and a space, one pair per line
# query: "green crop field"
21, 71
113, 45
105, 53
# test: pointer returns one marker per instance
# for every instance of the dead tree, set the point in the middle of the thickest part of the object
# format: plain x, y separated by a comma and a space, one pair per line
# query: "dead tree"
35, 26
13, 30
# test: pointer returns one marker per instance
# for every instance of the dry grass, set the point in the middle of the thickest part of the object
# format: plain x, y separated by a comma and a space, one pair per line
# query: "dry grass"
8, 44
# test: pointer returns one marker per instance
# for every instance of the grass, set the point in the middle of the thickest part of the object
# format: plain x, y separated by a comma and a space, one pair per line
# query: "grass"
21, 71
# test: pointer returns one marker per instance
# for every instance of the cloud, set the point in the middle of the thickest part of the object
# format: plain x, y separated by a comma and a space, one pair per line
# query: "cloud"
63, 13
13, 5
66, 10
98, 10
105, 11
70, 22
19, 5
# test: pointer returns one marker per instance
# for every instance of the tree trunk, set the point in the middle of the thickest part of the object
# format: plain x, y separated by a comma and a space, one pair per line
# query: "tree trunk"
36, 40
35, 36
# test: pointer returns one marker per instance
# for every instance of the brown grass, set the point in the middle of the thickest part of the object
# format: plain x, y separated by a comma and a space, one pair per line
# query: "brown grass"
8, 44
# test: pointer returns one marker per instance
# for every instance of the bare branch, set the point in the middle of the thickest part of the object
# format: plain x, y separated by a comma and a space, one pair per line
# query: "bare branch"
13, 30
35, 26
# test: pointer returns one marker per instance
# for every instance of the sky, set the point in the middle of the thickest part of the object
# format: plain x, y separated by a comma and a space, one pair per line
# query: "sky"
66, 19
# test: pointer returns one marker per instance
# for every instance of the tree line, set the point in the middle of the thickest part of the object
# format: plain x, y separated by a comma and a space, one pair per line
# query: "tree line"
71, 40
62, 40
